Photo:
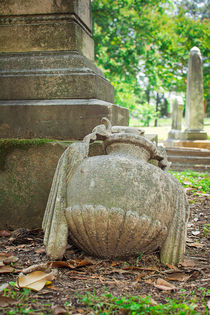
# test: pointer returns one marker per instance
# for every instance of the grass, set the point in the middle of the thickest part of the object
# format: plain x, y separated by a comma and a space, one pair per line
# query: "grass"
23, 302
131, 305
197, 181
164, 126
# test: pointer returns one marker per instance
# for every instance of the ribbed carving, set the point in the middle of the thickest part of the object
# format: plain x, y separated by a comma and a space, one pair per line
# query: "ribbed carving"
113, 232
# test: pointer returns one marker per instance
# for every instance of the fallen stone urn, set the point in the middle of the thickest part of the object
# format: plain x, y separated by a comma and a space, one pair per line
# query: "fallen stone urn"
118, 204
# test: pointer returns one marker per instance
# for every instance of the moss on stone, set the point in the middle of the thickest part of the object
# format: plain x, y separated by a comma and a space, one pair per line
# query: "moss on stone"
8, 145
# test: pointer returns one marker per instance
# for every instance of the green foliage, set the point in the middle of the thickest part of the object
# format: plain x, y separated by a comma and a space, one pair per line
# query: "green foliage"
146, 113
206, 230
108, 304
22, 302
195, 180
149, 40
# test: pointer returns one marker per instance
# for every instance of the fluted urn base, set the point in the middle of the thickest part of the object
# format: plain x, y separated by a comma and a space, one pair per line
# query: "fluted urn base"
113, 233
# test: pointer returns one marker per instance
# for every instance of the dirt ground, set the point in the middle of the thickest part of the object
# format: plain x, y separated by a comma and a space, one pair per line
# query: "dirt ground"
78, 274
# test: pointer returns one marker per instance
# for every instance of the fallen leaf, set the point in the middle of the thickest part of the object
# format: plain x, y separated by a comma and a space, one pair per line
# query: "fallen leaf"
4, 255
52, 287
189, 240
38, 267
178, 276
172, 267
5, 233
187, 263
1, 263
196, 244
161, 284
3, 286
59, 310
40, 251
140, 276
6, 269
6, 301
153, 268
195, 233
208, 304
65, 264
35, 280
82, 263
10, 259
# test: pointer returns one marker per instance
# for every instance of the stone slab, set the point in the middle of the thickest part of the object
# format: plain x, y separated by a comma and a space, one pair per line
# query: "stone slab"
45, 33
205, 144
57, 119
26, 174
51, 75
194, 135
34, 7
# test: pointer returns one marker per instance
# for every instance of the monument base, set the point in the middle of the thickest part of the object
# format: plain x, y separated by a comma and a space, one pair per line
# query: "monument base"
201, 144
194, 134
174, 134
58, 118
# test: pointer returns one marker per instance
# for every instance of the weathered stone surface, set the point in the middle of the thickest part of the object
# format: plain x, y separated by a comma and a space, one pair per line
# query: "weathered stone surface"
26, 173
195, 105
117, 204
205, 144
45, 34
81, 8
57, 119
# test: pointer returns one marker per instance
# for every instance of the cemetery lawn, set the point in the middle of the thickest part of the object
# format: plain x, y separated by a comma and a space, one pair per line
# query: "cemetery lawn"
164, 126
85, 285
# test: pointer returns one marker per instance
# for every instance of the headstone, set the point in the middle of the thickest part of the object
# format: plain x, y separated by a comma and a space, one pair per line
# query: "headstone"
177, 112
194, 104
113, 218
50, 86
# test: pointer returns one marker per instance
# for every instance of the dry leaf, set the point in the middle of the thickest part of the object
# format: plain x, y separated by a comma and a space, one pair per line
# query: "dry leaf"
5, 233
38, 267
65, 264
35, 280
6, 301
10, 259
164, 285
4, 255
82, 263
154, 268
187, 263
178, 276
6, 269
40, 251
59, 310
3, 286
195, 233
140, 276
208, 304
1, 263
196, 244
172, 267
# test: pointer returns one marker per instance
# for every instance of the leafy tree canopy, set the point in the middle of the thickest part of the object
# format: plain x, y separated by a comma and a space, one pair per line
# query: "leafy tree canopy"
143, 45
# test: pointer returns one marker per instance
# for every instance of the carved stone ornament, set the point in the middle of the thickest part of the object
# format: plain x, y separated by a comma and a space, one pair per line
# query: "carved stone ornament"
118, 204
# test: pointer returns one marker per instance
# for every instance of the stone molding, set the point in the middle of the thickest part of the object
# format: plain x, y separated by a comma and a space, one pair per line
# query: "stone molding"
43, 19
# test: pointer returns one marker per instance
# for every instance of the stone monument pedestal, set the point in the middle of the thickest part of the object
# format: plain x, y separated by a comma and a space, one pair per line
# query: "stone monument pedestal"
50, 86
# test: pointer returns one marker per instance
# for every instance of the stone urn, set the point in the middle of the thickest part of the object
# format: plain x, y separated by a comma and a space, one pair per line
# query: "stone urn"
118, 204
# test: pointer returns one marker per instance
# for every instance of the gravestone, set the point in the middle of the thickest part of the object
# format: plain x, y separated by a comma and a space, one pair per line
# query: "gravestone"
194, 104
177, 112
50, 86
